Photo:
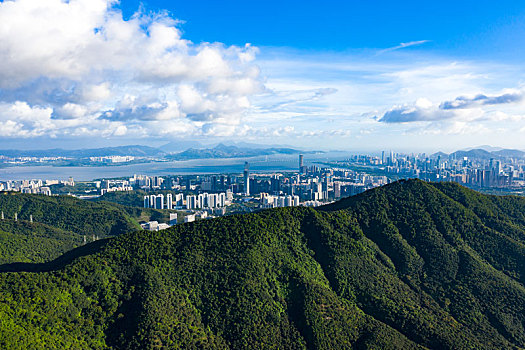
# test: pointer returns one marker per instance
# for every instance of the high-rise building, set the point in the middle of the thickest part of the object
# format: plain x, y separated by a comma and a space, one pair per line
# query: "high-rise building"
191, 202
157, 181
179, 199
275, 184
146, 201
337, 190
159, 202
301, 162
246, 178
169, 201
212, 200
222, 200
152, 199
202, 200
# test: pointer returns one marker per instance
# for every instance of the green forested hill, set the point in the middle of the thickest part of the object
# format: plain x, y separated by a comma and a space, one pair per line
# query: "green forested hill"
23, 241
408, 265
67, 213
59, 224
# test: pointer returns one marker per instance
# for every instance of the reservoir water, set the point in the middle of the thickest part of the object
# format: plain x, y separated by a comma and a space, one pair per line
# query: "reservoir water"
261, 164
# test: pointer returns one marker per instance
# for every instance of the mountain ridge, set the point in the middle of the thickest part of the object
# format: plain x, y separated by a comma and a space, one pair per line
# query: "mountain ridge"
480, 153
232, 151
47, 227
131, 150
408, 265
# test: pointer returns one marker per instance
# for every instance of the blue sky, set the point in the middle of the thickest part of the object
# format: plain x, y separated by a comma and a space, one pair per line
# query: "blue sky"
356, 75
460, 28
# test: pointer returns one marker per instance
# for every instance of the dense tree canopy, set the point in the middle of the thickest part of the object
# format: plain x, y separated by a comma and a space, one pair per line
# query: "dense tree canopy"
408, 265
59, 224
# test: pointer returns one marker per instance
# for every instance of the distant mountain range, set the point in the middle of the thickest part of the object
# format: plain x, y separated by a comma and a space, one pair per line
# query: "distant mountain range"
179, 146
219, 151
488, 148
223, 151
479, 153
173, 151
134, 150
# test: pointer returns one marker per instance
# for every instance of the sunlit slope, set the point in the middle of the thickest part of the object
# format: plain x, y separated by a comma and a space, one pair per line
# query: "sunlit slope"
408, 265
59, 224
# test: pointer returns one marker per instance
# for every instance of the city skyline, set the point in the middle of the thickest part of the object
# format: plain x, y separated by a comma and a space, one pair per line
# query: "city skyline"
346, 76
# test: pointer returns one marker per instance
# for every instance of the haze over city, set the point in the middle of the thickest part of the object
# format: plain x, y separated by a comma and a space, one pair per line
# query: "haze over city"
331, 75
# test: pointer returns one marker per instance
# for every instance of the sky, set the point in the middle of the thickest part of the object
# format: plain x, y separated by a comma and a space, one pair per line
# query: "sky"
340, 75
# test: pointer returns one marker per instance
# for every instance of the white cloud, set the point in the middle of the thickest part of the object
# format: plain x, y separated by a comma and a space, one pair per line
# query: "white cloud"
70, 111
480, 100
403, 45
96, 93
77, 68
11, 128
407, 92
121, 130
415, 113
81, 62
460, 109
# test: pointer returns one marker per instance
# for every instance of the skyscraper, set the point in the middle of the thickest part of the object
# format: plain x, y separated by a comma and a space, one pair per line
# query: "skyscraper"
301, 162
222, 200
159, 202
169, 201
337, 190
152, 199
191, 202
246, 178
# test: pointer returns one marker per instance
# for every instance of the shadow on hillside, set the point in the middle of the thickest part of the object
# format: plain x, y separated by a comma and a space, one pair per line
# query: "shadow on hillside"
59, 262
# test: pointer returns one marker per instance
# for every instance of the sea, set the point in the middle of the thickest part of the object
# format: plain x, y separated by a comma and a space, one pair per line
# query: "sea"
260, 164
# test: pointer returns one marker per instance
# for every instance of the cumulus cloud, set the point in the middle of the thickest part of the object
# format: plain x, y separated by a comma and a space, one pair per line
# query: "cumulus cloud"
422, 110
21, 119
460, 109
80, 66
480, 100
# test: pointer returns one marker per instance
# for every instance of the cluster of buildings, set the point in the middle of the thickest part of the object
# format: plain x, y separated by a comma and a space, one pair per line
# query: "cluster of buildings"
156, 226
35, 186
269, 201
477, 172
107, 186
112, 159
146, 183
13, 159
190, 202
24, 160
205, 196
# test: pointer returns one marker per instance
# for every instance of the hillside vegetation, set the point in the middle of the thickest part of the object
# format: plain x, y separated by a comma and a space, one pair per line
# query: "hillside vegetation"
23, 241
59, 225
411, 265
